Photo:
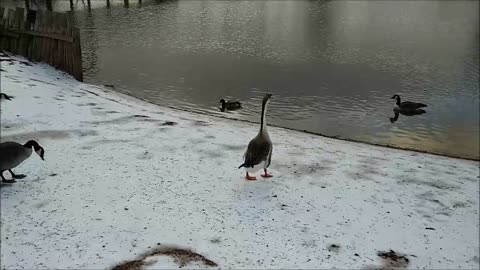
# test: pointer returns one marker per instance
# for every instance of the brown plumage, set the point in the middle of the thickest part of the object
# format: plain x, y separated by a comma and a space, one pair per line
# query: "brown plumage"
259, 150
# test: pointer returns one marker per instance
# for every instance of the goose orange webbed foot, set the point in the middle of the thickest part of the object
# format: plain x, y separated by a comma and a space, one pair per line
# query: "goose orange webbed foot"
266, 174
250, 178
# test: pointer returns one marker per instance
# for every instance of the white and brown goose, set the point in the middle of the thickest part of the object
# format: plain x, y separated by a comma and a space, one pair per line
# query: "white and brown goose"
259, 151
13, 154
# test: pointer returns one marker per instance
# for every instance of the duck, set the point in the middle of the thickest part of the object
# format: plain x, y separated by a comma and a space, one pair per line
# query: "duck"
230, 105
13, 154
407, 105
406, 113
259, 151
4, 96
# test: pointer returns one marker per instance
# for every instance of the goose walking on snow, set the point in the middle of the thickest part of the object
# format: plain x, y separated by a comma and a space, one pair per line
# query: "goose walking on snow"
259, 151
13, 154
407, 105
230, 105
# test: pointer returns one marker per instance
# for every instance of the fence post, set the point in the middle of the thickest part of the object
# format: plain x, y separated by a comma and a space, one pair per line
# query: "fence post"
77, 55
49, 5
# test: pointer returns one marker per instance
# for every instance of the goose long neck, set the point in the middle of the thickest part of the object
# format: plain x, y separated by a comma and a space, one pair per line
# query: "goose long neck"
398, 100
263, 120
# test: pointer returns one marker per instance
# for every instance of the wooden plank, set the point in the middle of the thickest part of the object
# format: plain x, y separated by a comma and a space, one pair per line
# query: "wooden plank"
11, 18
2, 11
49, 5
48, 22
77, 55
38, 22
10, 24
70, 23
15, 33
30, 20
19, 18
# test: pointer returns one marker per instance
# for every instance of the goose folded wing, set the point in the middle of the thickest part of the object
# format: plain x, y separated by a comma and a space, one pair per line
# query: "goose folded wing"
412, 105
257, 152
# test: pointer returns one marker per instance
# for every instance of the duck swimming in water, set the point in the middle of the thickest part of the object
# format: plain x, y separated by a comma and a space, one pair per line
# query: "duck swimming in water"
13, 154
259, 151
407, 105
229, 105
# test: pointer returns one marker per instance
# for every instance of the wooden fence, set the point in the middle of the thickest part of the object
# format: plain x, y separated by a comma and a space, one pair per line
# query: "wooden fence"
42, 36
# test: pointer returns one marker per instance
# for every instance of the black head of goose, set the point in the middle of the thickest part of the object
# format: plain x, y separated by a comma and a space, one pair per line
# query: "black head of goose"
13, 154
406, 105
259, 150
4, 96
229, 105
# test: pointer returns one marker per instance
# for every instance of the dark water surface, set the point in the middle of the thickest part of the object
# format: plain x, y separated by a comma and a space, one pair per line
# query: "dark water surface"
332, 66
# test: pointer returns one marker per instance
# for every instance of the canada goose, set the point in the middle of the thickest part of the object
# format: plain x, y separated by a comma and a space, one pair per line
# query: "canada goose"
13, 154
230, 105
4, 96
407, 105
406, 113
259, 151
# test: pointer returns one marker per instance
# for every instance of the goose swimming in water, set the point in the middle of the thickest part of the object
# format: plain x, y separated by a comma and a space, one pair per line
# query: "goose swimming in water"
230, 105
13, 154
406, 113
407, 105
4, 96
259, 151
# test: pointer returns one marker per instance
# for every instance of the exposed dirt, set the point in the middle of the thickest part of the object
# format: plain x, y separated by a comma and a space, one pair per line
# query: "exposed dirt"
181, 256
391, 260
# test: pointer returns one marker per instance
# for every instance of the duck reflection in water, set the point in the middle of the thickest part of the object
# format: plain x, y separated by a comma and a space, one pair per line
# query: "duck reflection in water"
406, 113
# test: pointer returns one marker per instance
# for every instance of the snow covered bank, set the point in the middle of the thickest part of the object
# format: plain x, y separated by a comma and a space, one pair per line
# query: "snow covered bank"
123, 178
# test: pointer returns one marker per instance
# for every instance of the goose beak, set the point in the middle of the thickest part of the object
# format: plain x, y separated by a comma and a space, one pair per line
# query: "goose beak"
393, 97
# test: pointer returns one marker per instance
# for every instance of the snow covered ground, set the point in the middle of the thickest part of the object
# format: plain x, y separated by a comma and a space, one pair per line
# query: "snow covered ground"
123, 177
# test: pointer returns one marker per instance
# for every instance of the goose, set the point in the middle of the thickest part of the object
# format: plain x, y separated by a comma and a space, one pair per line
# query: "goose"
407, 105
4, 96
406, 113
259, 150
230, 105
13, 154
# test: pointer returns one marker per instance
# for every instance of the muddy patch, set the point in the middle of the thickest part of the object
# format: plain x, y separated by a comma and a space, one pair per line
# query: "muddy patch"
181, 256
119, 120
333, 248
434, 183
168, 123
50, 134
201, 124
391, 260
92, 144
234, 147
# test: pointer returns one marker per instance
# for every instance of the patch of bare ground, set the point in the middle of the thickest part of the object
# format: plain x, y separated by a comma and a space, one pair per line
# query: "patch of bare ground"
391, 260
181, 256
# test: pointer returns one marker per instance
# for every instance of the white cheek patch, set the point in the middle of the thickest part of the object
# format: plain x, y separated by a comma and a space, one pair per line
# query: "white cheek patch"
39, 151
